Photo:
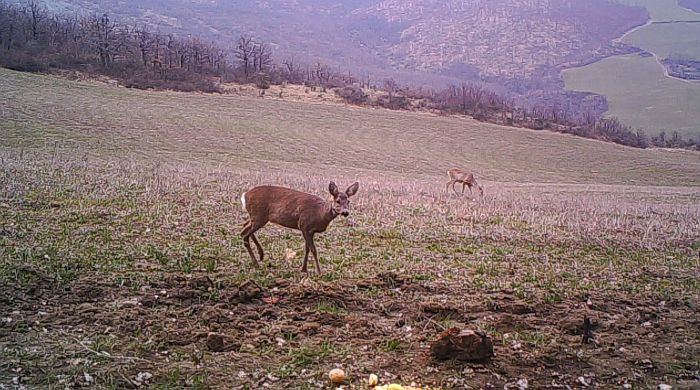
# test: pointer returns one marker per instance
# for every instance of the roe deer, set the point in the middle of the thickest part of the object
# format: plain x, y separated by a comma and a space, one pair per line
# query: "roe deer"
293, 209
466, 178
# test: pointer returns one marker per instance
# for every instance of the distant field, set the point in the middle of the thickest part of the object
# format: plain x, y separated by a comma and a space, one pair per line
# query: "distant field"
690, 4
636, 88
666, 39
120, 257
640, 95
663, 10
98, 121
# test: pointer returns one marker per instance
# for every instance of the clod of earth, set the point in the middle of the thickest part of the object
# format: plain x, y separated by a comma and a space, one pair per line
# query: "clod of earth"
248, 291
215, 342
391, 279
201, 283
465, 345
442, 310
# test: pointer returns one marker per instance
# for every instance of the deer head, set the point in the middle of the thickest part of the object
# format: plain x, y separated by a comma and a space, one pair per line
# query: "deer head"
341, 201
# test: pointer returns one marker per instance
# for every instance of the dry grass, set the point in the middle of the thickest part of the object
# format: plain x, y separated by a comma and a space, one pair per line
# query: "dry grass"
236, 131
119, 250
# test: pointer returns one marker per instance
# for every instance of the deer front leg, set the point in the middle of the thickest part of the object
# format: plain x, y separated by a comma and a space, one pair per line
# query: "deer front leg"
310, 247
306, 255
447, 187
313, 252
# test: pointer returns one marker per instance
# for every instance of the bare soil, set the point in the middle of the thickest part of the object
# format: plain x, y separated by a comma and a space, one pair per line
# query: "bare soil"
288, 334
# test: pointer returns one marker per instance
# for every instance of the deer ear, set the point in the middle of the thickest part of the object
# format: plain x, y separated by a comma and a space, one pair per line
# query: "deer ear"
352, 190
333, 189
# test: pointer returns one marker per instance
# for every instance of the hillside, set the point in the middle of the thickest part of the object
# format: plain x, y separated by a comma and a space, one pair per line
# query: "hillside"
479, 40
227, 129
121, 264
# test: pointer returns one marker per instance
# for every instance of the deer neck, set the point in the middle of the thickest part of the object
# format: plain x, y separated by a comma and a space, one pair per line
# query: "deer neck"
328, 214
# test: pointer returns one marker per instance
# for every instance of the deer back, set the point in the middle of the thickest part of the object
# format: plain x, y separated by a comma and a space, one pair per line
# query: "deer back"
286, 207
460, 175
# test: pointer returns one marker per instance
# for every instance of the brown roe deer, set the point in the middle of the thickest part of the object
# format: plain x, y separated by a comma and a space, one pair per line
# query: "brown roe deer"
293, 209
467, 179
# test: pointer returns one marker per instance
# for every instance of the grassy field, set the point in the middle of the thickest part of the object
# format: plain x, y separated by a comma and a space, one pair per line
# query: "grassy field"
637, 90
663, 10
46, 112
119, 252
666, 39
640, 95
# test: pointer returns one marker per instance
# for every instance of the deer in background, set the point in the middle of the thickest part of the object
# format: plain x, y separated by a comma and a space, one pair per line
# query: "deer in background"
292, 209
466, 178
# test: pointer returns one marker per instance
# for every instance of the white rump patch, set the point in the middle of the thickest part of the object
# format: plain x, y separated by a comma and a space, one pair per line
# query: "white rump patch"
243, 201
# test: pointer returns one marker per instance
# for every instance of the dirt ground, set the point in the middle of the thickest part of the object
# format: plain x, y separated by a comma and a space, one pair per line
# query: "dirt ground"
288, 335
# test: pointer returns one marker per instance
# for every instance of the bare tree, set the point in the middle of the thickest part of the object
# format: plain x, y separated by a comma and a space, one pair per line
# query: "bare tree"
244, 53
103, 38
391, 86
36, 13
322, 74
144, 41
8, 19
262, 57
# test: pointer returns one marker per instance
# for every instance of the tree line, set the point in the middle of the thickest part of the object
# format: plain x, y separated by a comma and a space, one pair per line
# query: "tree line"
36, 40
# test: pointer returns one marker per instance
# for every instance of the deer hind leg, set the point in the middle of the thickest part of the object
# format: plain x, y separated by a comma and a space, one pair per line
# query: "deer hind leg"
454, 183
249, 228
261, 253
245, 234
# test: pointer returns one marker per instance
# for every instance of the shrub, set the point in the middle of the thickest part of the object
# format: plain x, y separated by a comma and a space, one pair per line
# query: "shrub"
22, 62
352, 94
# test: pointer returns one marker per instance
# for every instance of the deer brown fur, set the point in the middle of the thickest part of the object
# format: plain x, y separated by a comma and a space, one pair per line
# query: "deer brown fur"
466, 178
293, 209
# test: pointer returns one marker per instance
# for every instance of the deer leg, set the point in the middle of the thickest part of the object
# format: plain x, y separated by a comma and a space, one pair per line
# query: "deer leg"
261, 253
304, 269
313, 252
453, 187
245, 234
447, 187
310, 247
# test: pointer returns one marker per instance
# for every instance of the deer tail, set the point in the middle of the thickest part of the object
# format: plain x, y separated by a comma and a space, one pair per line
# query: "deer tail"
243, 201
